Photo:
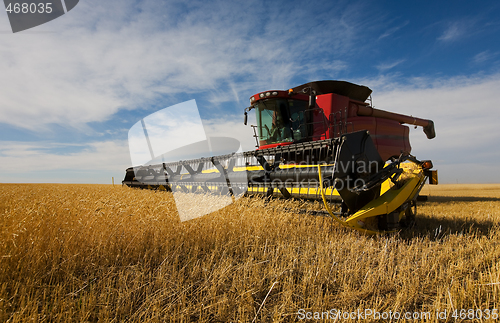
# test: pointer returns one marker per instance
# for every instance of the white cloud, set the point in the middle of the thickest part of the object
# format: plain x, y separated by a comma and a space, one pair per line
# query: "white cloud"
453, 32
107, 155
458, 29
106, 56
47, 162
465, 113
484, 56
391, 31
389, 65
232, 127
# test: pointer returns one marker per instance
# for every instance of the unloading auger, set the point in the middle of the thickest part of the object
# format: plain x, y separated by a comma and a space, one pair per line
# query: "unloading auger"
320, 141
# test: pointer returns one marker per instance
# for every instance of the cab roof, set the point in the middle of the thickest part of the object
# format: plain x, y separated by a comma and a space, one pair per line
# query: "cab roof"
351, 90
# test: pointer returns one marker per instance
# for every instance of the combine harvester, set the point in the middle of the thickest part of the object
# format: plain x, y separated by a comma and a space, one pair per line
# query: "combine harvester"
321, 141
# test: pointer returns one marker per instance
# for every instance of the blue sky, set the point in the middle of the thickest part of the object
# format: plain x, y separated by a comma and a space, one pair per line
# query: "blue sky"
72, 88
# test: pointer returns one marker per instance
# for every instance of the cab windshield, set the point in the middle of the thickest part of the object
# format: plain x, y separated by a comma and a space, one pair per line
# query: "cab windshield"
281, 120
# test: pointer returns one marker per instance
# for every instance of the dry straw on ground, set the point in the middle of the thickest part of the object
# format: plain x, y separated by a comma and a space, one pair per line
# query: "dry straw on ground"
97, 253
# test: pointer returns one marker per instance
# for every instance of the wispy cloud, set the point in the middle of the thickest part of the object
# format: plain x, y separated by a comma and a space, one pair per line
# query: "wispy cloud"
117, 55
458, 29
389, 32
485, 56
453, 32
389, 65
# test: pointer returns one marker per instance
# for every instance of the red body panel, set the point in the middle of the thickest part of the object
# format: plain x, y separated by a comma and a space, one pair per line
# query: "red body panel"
275, 145
337, 114
334, 107
390, 137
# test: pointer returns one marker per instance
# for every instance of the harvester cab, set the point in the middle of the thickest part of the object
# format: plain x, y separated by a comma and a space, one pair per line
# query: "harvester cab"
281, 120
322, 141
328, 109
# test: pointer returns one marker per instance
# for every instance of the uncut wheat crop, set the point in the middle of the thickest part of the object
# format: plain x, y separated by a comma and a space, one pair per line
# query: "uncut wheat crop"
102, 253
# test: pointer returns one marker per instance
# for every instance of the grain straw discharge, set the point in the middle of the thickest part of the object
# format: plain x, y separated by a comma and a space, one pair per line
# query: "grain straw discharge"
102, 253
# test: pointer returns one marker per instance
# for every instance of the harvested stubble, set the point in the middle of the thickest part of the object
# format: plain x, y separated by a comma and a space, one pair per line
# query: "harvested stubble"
97, 253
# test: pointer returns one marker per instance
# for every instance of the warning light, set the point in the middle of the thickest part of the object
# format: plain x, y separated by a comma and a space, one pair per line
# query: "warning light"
427, 164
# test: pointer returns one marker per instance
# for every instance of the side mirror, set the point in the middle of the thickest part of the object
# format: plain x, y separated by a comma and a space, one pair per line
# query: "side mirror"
246, 114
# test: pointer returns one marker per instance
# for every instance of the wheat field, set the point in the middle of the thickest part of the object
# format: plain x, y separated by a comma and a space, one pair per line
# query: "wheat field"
102, 253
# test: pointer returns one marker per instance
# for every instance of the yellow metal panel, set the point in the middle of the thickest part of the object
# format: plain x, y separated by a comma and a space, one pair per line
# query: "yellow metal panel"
389, 201
433, 178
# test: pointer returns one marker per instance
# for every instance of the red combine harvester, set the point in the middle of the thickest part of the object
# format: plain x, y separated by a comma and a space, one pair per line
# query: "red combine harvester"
321, 140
